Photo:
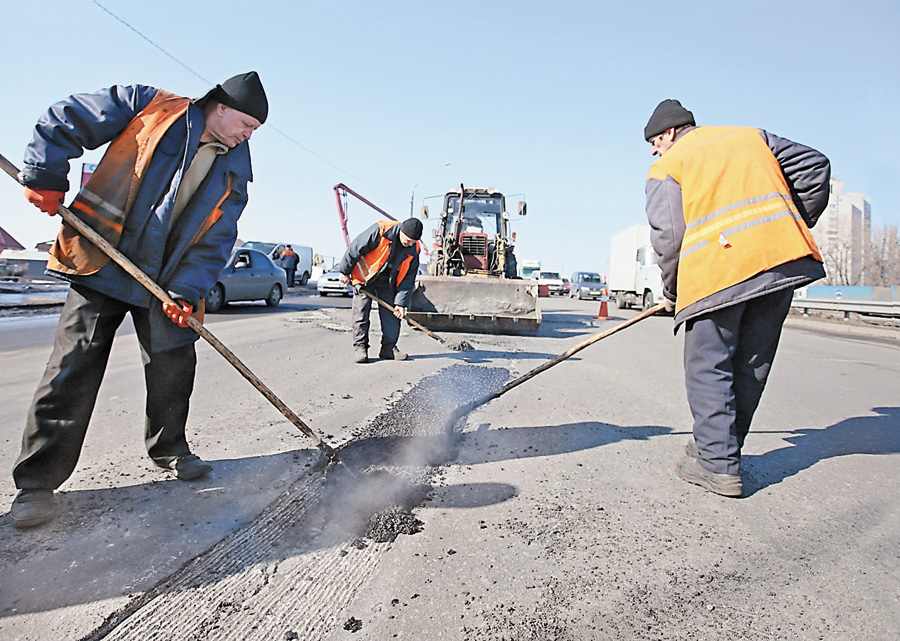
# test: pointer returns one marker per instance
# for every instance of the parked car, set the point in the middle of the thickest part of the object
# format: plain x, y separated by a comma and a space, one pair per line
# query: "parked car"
275, 252
248, 275
329, 283
586, 285
552, 281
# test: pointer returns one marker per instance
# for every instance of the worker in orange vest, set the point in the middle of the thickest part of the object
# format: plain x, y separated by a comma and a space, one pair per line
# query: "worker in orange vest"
730, 211
383, 260
167, 194
289, 262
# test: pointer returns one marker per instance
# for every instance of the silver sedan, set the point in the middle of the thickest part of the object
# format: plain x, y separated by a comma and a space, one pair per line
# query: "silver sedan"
329, 283
248, 275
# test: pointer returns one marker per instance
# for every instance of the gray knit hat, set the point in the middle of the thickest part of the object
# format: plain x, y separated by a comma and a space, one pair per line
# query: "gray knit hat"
669, 113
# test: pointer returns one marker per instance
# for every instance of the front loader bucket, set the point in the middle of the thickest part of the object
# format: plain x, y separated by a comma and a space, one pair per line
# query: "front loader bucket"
474, 304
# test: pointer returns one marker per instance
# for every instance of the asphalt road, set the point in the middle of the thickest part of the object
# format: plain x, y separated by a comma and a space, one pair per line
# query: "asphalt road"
552, 512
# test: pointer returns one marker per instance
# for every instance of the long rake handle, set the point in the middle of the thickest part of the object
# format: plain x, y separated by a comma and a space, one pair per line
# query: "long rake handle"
120, 259
415, 324
465, 409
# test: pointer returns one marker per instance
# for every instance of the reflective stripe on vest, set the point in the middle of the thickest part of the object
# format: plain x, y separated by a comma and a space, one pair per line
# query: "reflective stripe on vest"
739, 216
106, 199
109, 194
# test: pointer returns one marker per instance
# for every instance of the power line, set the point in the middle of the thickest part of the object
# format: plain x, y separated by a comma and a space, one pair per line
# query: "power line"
151, 42
271, 126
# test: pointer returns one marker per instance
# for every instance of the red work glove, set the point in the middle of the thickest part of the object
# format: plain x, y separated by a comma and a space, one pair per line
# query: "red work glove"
45, 199
179, 312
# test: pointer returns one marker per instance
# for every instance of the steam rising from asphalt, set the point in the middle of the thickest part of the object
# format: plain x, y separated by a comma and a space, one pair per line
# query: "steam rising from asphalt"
395, 457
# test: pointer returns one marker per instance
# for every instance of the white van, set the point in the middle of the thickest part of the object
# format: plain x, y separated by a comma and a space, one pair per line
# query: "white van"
275, 251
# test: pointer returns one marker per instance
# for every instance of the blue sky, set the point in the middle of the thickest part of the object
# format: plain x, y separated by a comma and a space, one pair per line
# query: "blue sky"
547, 100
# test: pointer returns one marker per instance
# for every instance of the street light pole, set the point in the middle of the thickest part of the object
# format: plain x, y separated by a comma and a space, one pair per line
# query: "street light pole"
412, 196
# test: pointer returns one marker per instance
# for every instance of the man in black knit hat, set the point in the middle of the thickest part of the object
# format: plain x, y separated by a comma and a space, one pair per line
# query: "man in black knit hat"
730, 211
383, 260
167, 194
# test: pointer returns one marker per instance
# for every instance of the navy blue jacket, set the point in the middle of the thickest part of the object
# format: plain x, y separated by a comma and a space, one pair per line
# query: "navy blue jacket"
367, 242
186, 270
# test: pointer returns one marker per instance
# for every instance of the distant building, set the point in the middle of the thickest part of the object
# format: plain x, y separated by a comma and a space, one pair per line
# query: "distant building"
844, 234
23, 264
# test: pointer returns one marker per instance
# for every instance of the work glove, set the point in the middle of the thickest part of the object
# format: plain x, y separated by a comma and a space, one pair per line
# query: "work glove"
178, 312
46, 200
669, 298
400, 312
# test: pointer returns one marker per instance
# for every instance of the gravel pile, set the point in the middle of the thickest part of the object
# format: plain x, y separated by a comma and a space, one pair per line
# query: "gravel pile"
392, 460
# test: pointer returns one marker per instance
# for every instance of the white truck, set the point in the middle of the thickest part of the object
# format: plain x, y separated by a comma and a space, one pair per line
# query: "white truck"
634, 275
529, 268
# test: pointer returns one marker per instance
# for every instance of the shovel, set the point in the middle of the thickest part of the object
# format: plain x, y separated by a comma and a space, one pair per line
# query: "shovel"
468, 407
82, 228
457, 346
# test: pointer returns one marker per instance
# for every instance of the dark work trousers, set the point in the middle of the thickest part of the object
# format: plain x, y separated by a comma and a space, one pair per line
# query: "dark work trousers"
728, 354
362, 305
58, 419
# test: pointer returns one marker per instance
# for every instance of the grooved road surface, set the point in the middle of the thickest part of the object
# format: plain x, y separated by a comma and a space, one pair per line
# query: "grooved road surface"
551, 513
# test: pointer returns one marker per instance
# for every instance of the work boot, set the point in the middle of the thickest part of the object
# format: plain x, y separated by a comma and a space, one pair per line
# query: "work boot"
32, 508
361, 355
690, 448
188, 467
691, 470
393, 354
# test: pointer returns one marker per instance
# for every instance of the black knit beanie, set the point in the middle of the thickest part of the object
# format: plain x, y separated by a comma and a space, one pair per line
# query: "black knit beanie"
243, 92
669, 113
412, 227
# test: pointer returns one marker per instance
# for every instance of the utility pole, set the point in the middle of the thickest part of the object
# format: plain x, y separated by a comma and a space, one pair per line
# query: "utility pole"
412, 196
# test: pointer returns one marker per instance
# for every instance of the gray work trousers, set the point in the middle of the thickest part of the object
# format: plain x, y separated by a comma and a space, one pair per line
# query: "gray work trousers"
728, 354
362, 306
58, 419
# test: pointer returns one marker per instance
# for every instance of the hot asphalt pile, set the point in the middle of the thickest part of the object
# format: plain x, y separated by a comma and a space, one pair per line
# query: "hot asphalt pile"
396, 455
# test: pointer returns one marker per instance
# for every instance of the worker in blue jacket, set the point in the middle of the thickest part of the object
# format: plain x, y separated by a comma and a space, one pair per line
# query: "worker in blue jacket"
384, 261
167, 194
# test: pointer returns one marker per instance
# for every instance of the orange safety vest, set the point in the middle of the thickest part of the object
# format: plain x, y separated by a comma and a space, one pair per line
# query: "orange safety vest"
739, 216
370, 264
106, 199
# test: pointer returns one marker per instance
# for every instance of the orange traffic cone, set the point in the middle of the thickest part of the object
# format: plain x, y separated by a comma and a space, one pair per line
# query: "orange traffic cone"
603, 314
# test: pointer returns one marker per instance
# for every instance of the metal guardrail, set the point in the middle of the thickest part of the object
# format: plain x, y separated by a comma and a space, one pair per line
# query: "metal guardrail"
889, 309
